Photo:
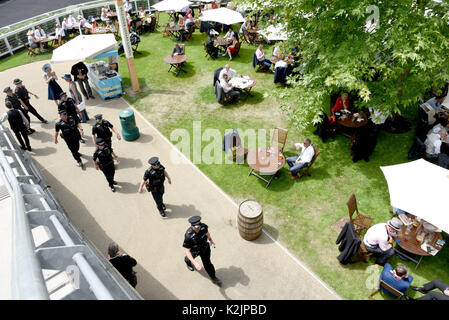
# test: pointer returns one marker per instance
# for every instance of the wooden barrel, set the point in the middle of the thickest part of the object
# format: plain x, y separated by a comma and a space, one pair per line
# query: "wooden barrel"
250, 219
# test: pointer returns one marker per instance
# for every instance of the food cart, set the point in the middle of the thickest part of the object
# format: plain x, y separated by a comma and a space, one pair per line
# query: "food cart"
106, 82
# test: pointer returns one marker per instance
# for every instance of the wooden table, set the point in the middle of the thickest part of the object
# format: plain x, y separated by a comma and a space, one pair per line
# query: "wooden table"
222, 44
247, 88
253, 34
49, 41
175, 31
100, 30
275, 59
410, 244
348, 120
265, 163
176, 63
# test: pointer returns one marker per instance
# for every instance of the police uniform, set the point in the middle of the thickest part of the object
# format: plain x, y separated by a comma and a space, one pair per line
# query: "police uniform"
22, 94
70, 134
69, 107
16, 122
102, 130
103, 157
156, 178
199, 245
14, 99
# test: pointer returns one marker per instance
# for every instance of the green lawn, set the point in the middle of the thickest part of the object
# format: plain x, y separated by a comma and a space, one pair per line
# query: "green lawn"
298, 213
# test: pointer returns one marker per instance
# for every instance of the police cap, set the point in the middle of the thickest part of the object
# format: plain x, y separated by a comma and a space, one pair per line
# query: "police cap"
154, 161
7, 89
17, 81
195, 220
62, 94
99, 141
63, 112
98, 116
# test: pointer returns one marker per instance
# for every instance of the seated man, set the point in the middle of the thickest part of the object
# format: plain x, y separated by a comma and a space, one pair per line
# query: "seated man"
177, 50
211, 49
379, 238
261, 57
432, 295
228, 89
227, 71
433, 143
303, 160
277, 51
398, 277
39, 33
436, 102
443, 124
229, 34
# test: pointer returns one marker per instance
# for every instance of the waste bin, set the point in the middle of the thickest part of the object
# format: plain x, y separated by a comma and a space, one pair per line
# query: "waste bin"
129, 130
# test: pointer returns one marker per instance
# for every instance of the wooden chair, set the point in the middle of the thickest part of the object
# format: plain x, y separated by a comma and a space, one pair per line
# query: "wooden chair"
382, 284
189, 35
360, 222
238, 152
279, 137
156, 16
306, 170
31, 51
208, 55
139, 27
362, 254
236, 53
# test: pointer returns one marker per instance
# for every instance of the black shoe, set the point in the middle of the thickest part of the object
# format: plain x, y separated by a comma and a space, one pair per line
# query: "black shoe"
23, 148
190, 267
418, 289
164, 207
82, 141
44, 121
112, 189
80, 164
162, 213
30, 131
86, 97
216, 281
92, 96
115, 183
29, 148
408, 298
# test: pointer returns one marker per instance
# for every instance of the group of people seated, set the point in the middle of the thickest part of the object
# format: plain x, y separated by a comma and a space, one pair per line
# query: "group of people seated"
225, 75
231, 48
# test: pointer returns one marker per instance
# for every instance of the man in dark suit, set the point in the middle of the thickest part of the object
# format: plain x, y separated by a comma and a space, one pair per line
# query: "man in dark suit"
79, 73
123, 263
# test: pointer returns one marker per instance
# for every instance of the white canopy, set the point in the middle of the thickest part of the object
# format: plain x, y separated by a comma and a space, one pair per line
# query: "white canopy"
171, 5
274, 33
420, 188
222, 15
84, 47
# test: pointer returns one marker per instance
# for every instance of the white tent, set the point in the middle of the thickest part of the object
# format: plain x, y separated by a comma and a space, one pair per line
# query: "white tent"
84, 47
274, 33
171, 5
222, 15
420, 188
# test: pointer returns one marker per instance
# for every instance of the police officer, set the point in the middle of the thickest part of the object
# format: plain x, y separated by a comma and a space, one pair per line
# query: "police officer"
196, 244
24, 97
153, 179
103, 160
69, 132
18, 124
70, 106
12, 97
102, 129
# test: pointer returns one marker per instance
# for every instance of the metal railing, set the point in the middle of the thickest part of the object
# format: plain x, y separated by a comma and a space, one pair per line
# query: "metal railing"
90, 275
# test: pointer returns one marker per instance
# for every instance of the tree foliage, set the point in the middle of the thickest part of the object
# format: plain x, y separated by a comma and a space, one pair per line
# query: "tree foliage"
391, 67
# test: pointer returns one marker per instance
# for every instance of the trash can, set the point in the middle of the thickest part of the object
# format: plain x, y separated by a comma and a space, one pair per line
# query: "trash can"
129, 130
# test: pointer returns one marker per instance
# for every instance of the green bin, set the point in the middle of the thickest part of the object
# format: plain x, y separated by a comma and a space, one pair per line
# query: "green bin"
129, 130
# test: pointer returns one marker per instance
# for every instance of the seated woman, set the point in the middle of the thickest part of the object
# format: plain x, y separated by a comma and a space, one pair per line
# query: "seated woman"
59, 33
33, 42
182, 26
342, 103
233, 48
177, 50
104, 15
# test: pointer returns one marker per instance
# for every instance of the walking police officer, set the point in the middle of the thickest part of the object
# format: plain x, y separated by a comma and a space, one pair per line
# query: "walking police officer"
196, 244
102, 129
103, 160
69, 132
18, 124
153, 179
24, 97
16, 104
70, 106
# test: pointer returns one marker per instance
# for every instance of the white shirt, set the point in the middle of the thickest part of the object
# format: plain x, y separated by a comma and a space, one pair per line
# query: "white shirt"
127, 6
377, 235
230, 73
225, 85
64, 25
280, 64
4, 117
378, 117
306, 153
433, 143
59, 32
228, 35
276, 50
260, 55
39, 34
71, 20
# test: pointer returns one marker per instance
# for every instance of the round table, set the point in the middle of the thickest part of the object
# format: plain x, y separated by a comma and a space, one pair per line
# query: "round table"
265, 160
246, 88
176, 62
350, 120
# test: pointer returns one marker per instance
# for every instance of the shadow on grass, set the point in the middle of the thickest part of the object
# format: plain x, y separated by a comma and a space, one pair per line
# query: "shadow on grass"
139, 54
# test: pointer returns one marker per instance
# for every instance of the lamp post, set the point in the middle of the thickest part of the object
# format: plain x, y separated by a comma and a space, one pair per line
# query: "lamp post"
127, 44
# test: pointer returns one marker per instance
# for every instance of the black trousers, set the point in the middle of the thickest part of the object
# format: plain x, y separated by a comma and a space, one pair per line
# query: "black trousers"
22, 133
33, 111
25, 113
381, 256
109, 172
158, 197
433, 295
74, 147
205, 258
82, 83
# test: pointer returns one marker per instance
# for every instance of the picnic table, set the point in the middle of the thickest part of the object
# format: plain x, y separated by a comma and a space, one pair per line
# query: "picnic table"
176, 63
174, 31
222, 44
267, 161
253, 35
244, 83
49, 41
275, 59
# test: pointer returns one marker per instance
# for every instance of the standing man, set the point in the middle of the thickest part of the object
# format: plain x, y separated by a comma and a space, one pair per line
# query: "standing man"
69, 132
153, 179
103, 160
16, 104
123, 263
101, 130
196, 244
79, 73
70, 106
303, 160
18, 124
24, 97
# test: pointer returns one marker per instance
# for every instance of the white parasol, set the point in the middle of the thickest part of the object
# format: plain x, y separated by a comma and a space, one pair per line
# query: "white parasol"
222, 15
274, 33
420, 188
171, 5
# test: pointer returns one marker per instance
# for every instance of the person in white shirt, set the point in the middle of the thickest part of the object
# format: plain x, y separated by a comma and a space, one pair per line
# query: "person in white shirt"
436, 102
127, 6
301, 161
228, 89
378, 117
261, 57
379, 239
443, 124
229, 34
71, 21
104, 15
227, 71
433, 143
277, 51
39, 33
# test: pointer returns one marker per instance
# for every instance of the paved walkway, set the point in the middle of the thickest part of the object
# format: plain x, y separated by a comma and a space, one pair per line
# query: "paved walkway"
260, 269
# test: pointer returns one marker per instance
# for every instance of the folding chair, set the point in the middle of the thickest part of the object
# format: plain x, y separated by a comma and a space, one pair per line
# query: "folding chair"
382, 284
279, 137
306, 170
360, 222
31, 51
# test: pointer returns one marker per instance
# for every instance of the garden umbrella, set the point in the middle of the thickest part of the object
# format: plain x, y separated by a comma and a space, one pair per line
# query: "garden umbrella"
274, 33
420, 188
223, 16
171, 5
84, 47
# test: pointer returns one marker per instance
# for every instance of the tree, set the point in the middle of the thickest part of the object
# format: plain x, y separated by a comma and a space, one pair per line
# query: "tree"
390, 63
